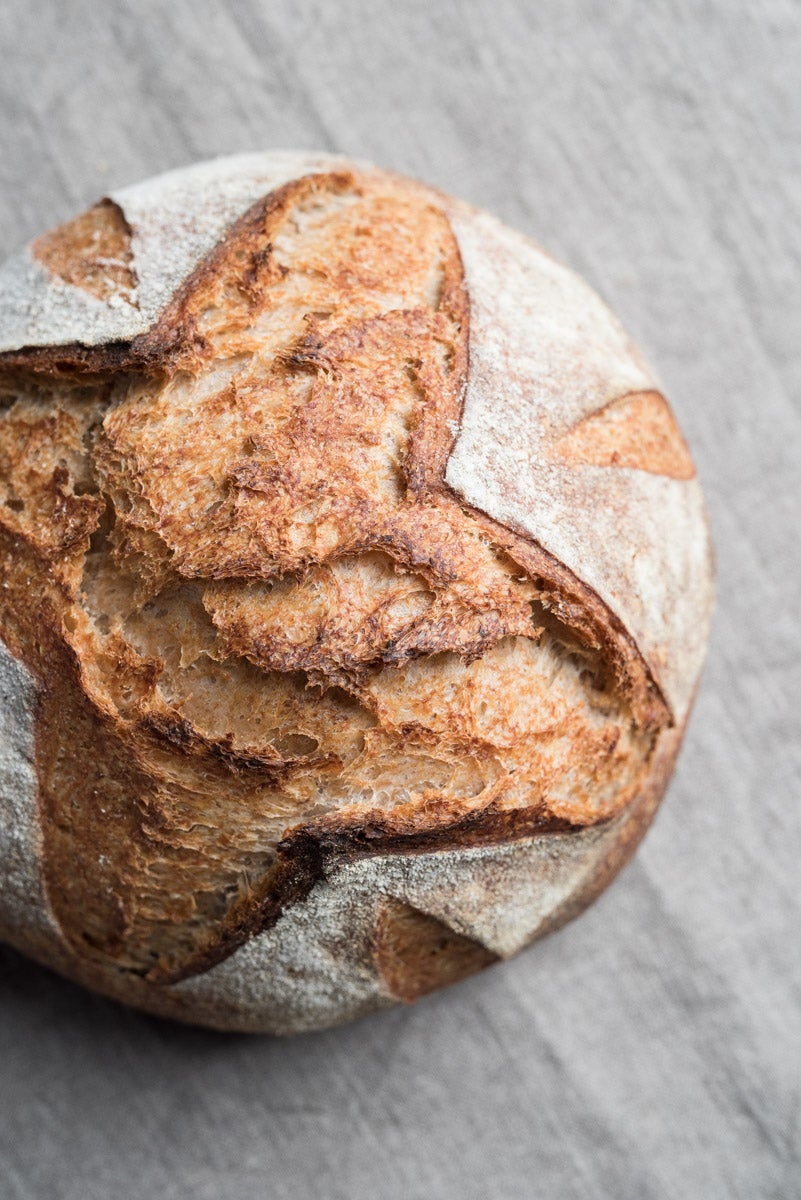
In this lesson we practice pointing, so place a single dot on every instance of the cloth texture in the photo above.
(651, 1050)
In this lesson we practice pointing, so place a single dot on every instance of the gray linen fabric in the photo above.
(653, 1049)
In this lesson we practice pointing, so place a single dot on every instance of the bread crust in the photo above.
(568, 369)
(25, 917)
(361, 906)
(322, 961)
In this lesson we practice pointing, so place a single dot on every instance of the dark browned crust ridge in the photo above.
(311, 851)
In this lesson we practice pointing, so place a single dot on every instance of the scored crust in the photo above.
(284, 554)
(583, 432)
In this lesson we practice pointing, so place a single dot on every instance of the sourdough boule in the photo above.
(355, 589)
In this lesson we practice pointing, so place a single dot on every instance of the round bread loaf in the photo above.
(355, 589)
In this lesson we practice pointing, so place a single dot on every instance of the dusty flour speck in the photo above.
(25, 911)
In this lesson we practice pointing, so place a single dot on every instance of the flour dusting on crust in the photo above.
(175, 219)
(361, 685)
(315, 967)
(25, 917)
(545, 353)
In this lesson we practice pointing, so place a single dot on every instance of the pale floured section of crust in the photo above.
(500, 896)
(25, 918)
(315, 967)
(311, 970)
(545, 353)
(175, 219)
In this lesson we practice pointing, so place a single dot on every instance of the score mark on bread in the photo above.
(93, 252)
(276, 619)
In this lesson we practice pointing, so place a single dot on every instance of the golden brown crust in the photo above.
(637, 430)
(310, 853)
(253, 605)
(228, 1011)
(93, 252)
(631, 525)
(416, 954)
(636, 821)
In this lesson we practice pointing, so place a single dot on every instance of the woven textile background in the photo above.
(652, 1050)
